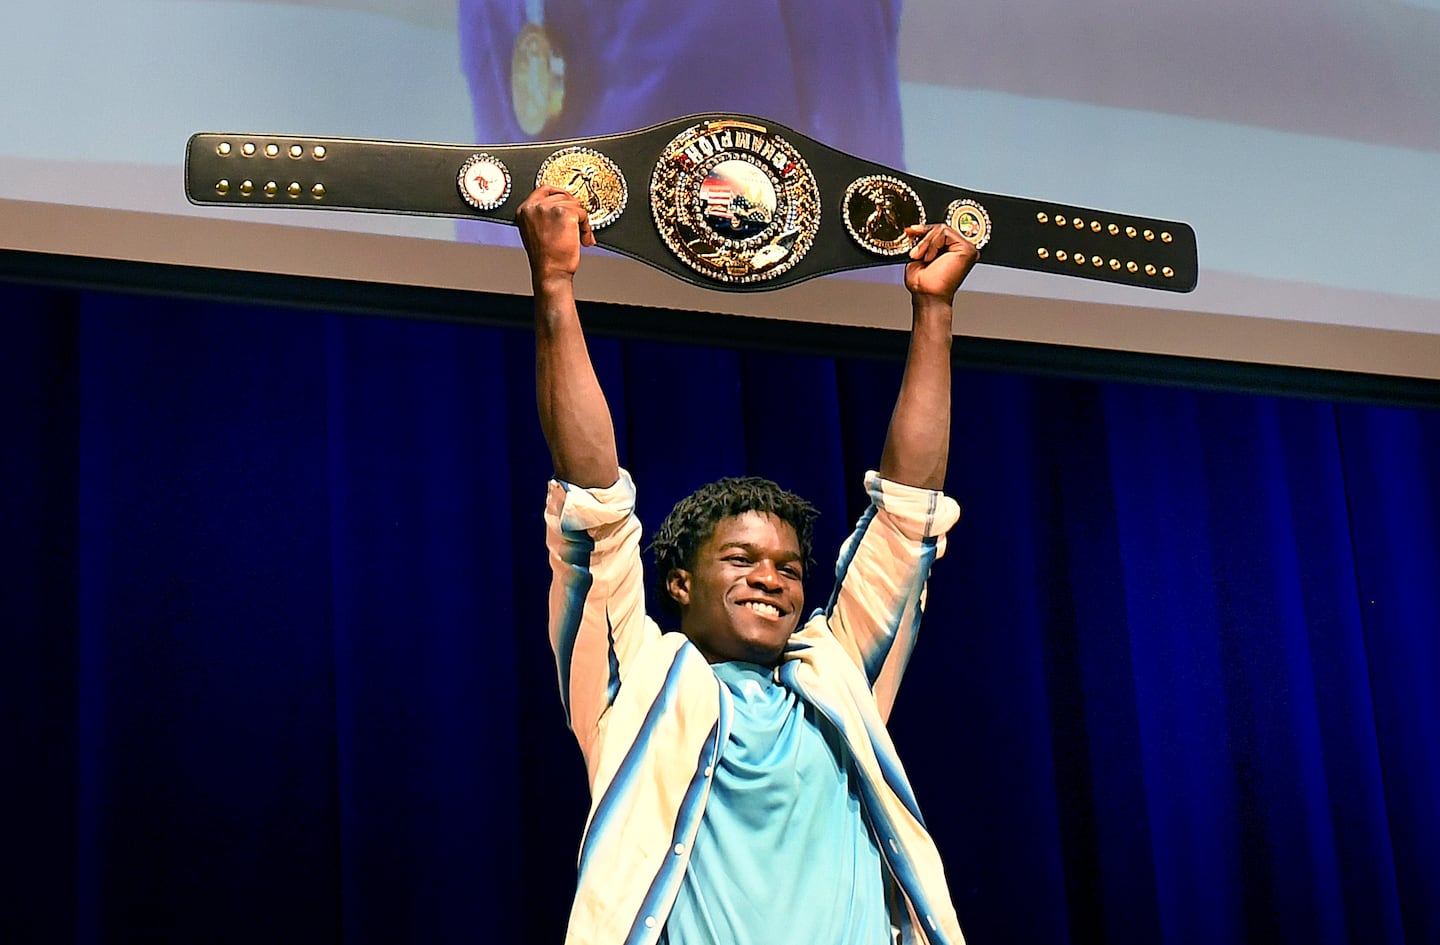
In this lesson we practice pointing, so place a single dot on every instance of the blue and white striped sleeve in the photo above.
(597, 596)
(880, 579)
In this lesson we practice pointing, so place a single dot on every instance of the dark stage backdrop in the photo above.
(275, 670)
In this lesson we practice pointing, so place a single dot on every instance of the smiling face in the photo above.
(742, 595)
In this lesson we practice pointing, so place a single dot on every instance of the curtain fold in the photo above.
(275, 662)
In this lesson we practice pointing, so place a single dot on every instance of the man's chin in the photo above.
(767, 649)
(753, 640)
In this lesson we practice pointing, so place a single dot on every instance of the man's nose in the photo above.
(765, 575)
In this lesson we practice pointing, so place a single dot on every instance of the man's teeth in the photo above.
(760, 607)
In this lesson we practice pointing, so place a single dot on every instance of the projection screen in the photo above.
(1300, 141)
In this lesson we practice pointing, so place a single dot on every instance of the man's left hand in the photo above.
(938, 263)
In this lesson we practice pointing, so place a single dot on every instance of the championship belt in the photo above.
(735, 202)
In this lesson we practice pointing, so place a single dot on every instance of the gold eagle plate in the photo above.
(592, 178)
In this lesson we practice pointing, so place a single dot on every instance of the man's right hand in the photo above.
(553, 227)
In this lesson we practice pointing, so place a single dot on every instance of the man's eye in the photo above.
(791, 573)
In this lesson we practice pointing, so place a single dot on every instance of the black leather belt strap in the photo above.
(722, 201)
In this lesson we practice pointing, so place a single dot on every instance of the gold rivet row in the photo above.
(1100, 262)
(1096, 226)
(270, 188)
(270, 150)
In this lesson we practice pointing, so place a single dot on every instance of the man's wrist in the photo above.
(932, 306)
(553, 282)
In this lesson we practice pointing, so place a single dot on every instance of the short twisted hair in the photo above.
(692, 521)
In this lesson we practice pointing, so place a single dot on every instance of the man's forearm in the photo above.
(573, 412)
(917, 447)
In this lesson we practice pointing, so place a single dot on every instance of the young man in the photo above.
(743, 786)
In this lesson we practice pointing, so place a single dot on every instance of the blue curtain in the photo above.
(274, 658)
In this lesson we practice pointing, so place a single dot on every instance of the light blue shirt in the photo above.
(783, 854)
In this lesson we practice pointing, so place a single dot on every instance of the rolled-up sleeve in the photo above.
(880, 579)
(597, 595)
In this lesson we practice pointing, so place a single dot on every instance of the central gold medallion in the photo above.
(735, 202)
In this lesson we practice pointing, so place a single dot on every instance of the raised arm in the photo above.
(573, 412)
(597, 620)
(880, 583)
(917, 446)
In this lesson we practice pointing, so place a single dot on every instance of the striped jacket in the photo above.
(652, 718)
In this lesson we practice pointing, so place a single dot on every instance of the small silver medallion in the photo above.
(484, 181)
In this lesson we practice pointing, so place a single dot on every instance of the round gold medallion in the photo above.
(537, 79)
(735, 202)
(593, 179)
(970, 220)
(877, 210)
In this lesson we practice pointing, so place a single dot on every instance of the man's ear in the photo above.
(677, 582)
